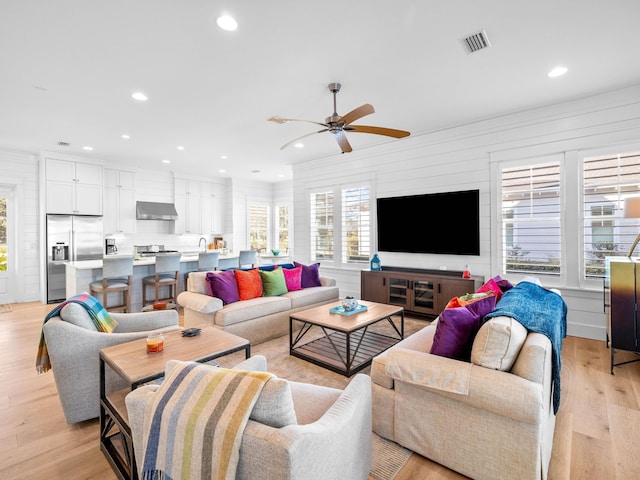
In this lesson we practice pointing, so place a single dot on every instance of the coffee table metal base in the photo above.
(344, 352)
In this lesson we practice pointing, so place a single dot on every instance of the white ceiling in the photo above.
(68, 69)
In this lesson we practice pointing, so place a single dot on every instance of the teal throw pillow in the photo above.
(273, 282)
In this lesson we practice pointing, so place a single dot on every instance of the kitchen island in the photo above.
(79, 275)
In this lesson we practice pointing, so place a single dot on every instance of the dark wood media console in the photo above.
(421, 291)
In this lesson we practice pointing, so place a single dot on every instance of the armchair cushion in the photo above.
(498, 343)
(274, 406)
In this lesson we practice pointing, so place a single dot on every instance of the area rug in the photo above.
(6, 308)
(388, 458)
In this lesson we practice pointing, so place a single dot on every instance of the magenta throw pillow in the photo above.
(310, 275)
(457, 327)
(223, 286)
(293, 278)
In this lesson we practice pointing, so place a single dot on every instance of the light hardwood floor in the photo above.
(597, 429)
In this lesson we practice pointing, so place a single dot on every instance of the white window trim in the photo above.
(337, 217)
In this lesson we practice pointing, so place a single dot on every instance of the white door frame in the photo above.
(8, 279)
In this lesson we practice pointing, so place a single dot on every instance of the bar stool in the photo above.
(207, 262)
(117, 274)
(247, 257)
(166, 275)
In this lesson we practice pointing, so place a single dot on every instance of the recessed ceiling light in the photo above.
(139, 96)
(125, 136)
(222, 170)
(227, 22)
(223, 157)
(180, 147)
(299, 145)
(557, 72)
(166, 161)
(87, 147)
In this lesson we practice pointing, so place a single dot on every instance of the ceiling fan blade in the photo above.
(285, 120)
(343, 142)
(389, 132)
(303, 136)
(357, 113)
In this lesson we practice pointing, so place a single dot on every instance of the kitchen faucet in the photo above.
(202, 239)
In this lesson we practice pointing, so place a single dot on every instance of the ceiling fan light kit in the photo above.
(338, 125)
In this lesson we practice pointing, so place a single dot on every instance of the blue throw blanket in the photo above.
(541, 311)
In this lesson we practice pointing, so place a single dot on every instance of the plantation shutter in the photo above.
(531, 219)
(258, 227)
(356, 228)
(322, 226)
(607, 181)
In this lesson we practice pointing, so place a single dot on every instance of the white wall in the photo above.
(460, 158)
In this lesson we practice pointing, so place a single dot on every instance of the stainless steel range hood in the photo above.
(156, 211)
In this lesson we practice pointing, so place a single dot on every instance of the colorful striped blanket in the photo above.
(103, 320)
(193, 426)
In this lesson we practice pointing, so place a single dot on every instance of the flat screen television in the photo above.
(439, 223)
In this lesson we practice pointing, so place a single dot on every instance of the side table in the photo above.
(132, 362)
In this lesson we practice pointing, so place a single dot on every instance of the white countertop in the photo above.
(142, 261)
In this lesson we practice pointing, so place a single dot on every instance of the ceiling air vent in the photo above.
(476, 41)
(63, 144)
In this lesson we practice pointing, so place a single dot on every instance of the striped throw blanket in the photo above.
(193, 426)
(103, 320)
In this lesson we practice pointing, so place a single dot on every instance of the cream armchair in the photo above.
(74, 345)
(296, 431)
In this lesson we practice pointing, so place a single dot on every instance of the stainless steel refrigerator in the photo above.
(70, 238)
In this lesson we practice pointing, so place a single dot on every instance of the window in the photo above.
(282, 232)
(341, 224)
(560, 225)
(607, 181)
(356, 225)
(258, 227)
(531, 219)
(322, 226)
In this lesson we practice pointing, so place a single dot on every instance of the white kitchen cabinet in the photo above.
(212, 208)
(73, 187)
(119, 201)
(188, 202)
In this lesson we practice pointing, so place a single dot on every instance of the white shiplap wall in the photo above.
(459, 158)
(20, 171)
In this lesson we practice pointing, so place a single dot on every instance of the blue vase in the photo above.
(375, 262)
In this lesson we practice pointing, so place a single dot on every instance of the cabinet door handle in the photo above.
(439, 288)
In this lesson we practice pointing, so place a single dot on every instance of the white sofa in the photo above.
(486, 423)
(257, 320)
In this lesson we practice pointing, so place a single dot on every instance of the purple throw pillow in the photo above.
(457, 327)
(310, 275)
(223, 285)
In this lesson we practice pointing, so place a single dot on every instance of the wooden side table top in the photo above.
(131, 360)
(321, 316)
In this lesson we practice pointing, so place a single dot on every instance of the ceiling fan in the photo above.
(338, 125)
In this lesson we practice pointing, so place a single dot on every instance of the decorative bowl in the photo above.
(349, 304)
(275, 252)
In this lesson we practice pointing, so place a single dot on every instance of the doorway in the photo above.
(7, 248)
